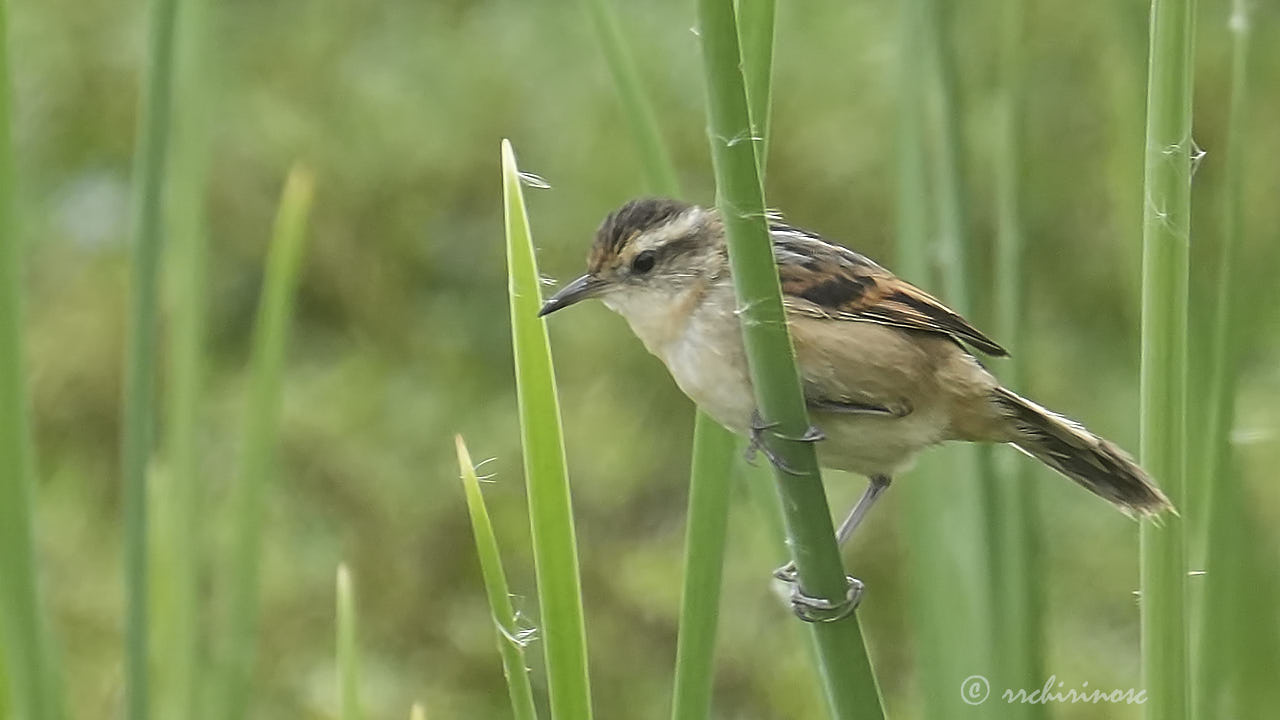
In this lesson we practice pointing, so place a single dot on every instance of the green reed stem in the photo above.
(261, 430)
(705, 541)
(949, 503)
(755, 35)
(511, 644)
(139, 396)
(1165, 243)
(846, 671)
(659, 172)
(32, 682)
(179, 535)
(555, 552)
(1017, 602)
(713, 446)
(1239, 633)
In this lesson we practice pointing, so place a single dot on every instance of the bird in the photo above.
(887, 370)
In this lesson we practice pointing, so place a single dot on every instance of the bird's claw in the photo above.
(815, 609)
(758, 429)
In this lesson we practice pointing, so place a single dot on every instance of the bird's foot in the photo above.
(816, 609)
(758, 429)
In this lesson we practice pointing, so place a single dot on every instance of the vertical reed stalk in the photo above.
(949, 505)
(177, 542)
(261, 429)
(1165, 239)
(1017, 601)
(705, 539)
(26, 658)
(846, 671)
(755, 31)
(713, 446)
(555, 551)
(1239, 633)
(638, 111)
(139, 388)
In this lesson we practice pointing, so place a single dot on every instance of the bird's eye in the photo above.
(643, 262)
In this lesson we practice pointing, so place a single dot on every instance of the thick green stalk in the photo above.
(846, 671)
(1224, 347)
(951, 202)
(177, 542)
(139, 388)
(755, 31)
(912, 223)
(1017, 601)
(713, 446)
(510, 643)
(1239, 633)
(32, 678)
(949, 505)
(555, 551)
(703, 571)
(659, 172)
(348, 651)
(1165, 244)
(261, 429)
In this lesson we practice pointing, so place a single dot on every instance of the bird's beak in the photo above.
(585, 287)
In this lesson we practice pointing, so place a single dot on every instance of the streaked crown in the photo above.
(622, 226)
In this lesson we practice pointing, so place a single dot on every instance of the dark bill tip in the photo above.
(581, 289)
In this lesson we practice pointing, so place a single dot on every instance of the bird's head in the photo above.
(648, 253)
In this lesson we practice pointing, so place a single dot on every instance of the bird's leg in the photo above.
(758, 428)
(805, 605)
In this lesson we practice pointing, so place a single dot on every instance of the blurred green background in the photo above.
(401, 336)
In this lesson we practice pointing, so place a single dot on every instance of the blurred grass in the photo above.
(150, 166)
(242, 578)
(30, 687)
(1018, 596)
(348, 649)
(659, 173)
(511, 643)
(1238, 631)
(179, 496)
(948, 501)
(400, 333)
(1166, 231)
(555, 552)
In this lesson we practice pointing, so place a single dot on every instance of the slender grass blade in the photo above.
(29, 679)
(511, 638)
(261, 429)
(1166, 232)
(139, 412)
(348, 650)
(180, 530)
(555, 551)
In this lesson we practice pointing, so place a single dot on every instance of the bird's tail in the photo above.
(1064, 445)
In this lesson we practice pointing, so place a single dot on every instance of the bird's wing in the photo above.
(827, 281)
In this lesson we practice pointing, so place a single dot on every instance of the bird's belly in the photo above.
(709, 365)
(876, 445)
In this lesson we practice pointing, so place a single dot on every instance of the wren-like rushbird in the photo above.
(885, 367)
